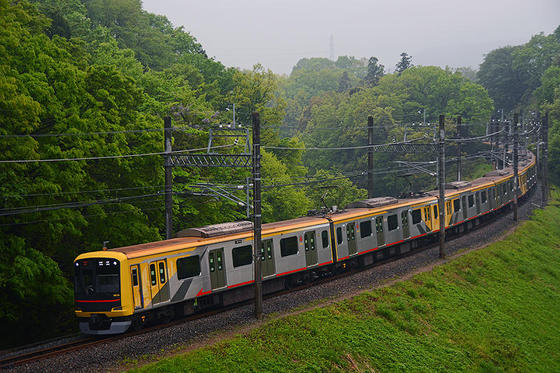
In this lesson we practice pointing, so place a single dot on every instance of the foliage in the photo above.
(333, 190)
(339, 120)
(548, 95)
(291, 202)
(454, 317)
(404, 63)
(374, 72)
(511, 74)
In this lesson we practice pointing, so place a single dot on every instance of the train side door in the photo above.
(435, 219)
(136, 286)
(404, 223)
(351, 236)
(428, 217)
(217, 270)
(159, 286)
(310, 245)
(464, 206)
(267, 258)
(477, 201)
(379, 230)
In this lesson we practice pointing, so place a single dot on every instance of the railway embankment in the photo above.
(490, 309)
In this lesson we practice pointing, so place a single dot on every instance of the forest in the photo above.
(85, 84)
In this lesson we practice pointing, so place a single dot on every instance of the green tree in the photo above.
(344, 83)
(374, 72)
(404, 63)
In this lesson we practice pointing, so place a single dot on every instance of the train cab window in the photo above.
(456, 204)
(242, 255)
(416, 216)
(483, 196)
(289, 246)
(471, 200)
(392, 222)
(339, 235)
(188, 267)
(325, 238)
(153, 277)
(365, 228)
(162, 273)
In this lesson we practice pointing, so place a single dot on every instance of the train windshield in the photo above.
(97, 278)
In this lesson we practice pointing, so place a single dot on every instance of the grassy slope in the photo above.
(491, 310)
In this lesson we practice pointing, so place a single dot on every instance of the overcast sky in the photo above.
(277, 33)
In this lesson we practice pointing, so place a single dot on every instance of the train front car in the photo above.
(102, 303)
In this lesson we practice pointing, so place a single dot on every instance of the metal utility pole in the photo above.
(257, 244)
(515, 164)
(370, 156)
(168, 179)
(441, 186)
(492, 127)
(504, 143)
(545, 157)
(460, 136)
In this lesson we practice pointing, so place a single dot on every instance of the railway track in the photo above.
(12, 360)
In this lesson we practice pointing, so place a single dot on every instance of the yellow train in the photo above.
(212, 265)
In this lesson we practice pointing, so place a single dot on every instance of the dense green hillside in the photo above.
(494, 309)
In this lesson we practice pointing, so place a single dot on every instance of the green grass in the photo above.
(492, 310)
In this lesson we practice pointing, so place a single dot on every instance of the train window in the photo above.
(456, 204)
(379, 224)
(242, 255)
(325, 238)
(471, 200)
(134, 277)
(188, 267)
(416, 216)
(309, 241)
(435, 211)
(162, 273)
(266, 246)
(153, 274)
(392, 222)
(339, 235)
(289, 246)
(365, 228)
(404, 218)
(483, 196)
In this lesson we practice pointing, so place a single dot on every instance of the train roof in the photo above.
(241, 231)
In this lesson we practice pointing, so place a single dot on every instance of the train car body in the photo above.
(210, 266)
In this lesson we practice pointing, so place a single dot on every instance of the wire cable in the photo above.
(110, 156)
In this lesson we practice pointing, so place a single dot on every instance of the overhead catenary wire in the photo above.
(356, 147)
(110, 156)
(70, 134)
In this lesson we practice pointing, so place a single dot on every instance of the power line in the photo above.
(81, 192)
(84, 216)
(109, 156)
(38, 135)
(339, 148)
(27, 210)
